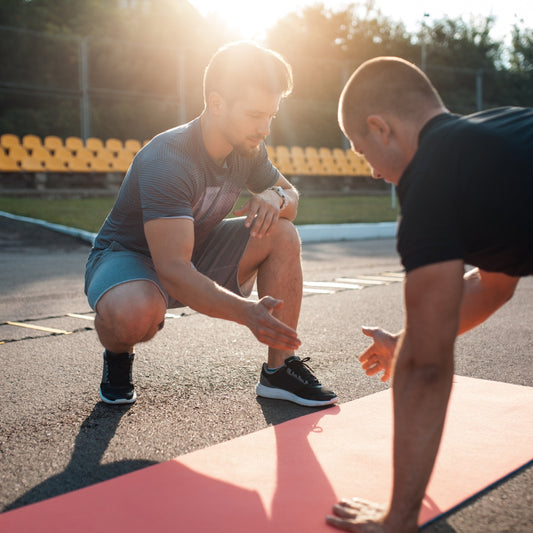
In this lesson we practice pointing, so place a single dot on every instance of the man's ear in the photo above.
(215, 103)
(378, 125)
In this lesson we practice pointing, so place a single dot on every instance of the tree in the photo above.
(517, 84)
(460, 55)
(323, 47)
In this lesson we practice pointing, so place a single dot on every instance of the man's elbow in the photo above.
(509, 292)
(501, 286)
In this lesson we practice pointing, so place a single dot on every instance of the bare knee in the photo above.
(130, 313)
(286, 237)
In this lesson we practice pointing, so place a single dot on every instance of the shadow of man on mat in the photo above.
(302, 482)
(85, 466)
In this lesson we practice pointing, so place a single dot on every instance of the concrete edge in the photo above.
(73, 232)
(308, 232)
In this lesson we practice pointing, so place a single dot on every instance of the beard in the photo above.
(247, 151)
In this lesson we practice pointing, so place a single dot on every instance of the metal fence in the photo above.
(68, 85)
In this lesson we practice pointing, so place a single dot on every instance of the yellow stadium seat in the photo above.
(78, 165)
(8, 164)
(125, 155)
(133, 145)
(54, 164)
(94, 144)
(100, 165)
(338, 153)
(331, 168)
(282, 152)
(63, 154)
(316, 167)
(74, 143)
(359, 164)
(297, 151)
(31, 141)
(85, 154)
(7, 140)
(285, 166)
(52, 142)
(324, 152)
(104, 155)
(119, 165)
(114, 145)
(31, 164)
(302, 167)
(311, 152)
(18, 153)
(41, 153)
(345, 167)
(366, 168)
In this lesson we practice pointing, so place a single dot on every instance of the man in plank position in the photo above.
(465, 185)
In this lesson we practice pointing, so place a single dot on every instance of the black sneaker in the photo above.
(294, 382)
(117, 384)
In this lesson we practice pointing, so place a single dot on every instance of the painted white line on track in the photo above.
(39, 328)
(360, 281)
(83, 317)
(332, 285)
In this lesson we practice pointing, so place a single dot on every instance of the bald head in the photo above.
(387, 85)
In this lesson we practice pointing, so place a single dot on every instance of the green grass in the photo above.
(89, 213)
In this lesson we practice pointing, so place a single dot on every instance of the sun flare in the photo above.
(250, 20)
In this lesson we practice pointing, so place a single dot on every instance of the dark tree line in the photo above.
(145, 61)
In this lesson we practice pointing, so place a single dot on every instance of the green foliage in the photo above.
(522, 52)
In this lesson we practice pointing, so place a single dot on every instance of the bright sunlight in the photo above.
(252, 20)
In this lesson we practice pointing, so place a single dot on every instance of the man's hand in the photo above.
(379, 356)
(262, 213)
(268, 329)
(358, 516)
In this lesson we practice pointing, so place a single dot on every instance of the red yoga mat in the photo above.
(286, 478)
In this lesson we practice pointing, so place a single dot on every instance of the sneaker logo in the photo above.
(297, 376)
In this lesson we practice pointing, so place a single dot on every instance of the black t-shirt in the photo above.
(468, 193)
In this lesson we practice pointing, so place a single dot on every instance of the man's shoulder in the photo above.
(177, 141)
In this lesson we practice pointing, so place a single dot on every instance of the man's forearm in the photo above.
(203, 295)
(421, 396)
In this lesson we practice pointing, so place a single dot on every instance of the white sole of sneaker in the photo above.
(117, 402)
(280, 394)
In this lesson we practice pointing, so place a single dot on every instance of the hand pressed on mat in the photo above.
(359, 516)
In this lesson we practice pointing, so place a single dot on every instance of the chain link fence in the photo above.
(67, 85)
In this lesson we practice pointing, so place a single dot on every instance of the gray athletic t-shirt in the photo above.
(173, 176)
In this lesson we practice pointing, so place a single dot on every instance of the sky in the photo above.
(253, 18)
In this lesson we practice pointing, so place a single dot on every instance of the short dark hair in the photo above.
(385, 84)
(242, 64)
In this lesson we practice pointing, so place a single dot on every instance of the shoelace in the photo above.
(119, 371)
(304, 370)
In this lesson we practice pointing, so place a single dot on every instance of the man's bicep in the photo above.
(433, 295)
(170, 240)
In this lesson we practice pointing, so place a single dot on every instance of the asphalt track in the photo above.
(195, 380)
